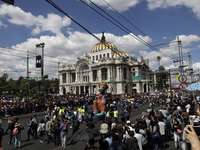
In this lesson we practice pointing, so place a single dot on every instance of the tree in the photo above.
(159, 58)
(162, 77)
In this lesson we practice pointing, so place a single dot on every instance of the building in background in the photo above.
(122, 72)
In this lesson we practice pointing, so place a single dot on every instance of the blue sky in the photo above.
(27, 23)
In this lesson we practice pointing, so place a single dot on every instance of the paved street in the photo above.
(35, 144)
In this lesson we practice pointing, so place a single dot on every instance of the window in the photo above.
(125, 73)
(94, 75)
(93, 58)
(133, 74)
(108, 55)
(100, 56)
(96, 57)
(104, 55)
(104, 74)
(134, 85)
(64, 77)
(133, 69)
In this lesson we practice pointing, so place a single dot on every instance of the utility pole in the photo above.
(27, 79)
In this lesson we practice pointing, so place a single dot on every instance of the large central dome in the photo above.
(103, 45)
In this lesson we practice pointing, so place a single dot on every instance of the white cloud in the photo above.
(164, 37)
(171, 50)
(64, 49)
(193, 4)
(2, 25)
(17, 16)
(196, 66)
(119, 5)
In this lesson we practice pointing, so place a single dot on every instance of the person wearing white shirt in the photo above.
(139, 137)
(187, 107)
(162, 131)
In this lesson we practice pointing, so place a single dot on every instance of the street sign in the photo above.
(183, 86)
(182, 78)
(137, 78)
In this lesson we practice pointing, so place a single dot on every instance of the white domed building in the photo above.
(106, 64)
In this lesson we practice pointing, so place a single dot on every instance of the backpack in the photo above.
(39, 128)
(15, 131)
(64, 126)
(132, 143)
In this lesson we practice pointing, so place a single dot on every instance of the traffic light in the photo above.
(27, 91)
(9, 1)
(27, 86)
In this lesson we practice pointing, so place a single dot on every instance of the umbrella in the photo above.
(4, 101)
(193, 87)
(85, 134)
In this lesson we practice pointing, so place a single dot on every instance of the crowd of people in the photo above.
(177, 119)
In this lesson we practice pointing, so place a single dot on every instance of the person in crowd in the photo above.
(90, 124)
(56, 132)
(131, 142)
(64, 132)
(75, 126)
(29, 130)
(90, 145)
(17, 134)
(41, 130)
(176, 130)
(116, 145)
(35, 126)
(162, 128)
(48, 129)
(185, 141)
(138, 136)
(12, 126)
(1, 135)
(104, 129)
(10, 120)
(116, 115)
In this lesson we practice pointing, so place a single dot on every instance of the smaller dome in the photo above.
(115, 55)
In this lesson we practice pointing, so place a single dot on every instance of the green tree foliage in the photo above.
(162, 78)
(18, 87)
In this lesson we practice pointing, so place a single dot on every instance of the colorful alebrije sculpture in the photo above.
(100, 104)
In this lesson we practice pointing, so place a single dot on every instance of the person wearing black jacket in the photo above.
(12, 126)
(56, 132)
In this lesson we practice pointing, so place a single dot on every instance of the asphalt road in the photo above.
(34, 144)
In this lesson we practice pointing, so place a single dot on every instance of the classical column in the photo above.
(108, 73)
(99, 75)
(91, 76)
(79, 88)
(61, 79)
(76, 80)
(84, 89)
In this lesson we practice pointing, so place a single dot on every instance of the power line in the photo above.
(130, 22)
(59, 9)
(135, 36)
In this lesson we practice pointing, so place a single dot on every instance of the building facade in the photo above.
(106, 64)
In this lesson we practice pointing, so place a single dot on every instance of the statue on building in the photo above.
(100, 104)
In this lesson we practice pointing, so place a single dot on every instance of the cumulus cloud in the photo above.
(119, 5)
(52, 22)
(193, 4)
(64, 50)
